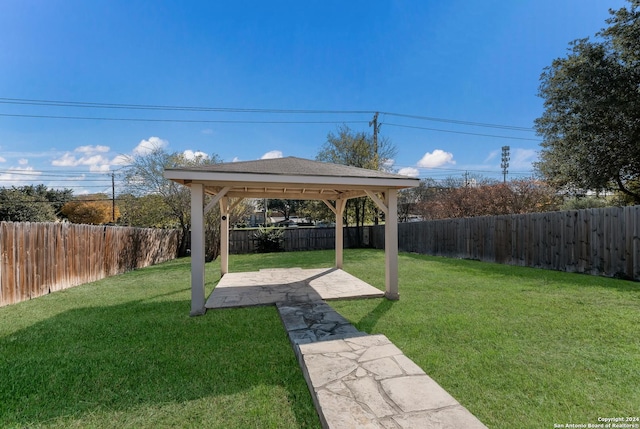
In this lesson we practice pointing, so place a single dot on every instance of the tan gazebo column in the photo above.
(338, 210)
(339, 241)
(225, 218)
(198, 211)
(391, 245)
(224, 235)
(197, 250)
(390, 208)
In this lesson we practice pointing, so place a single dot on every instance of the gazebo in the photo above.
(286, 178)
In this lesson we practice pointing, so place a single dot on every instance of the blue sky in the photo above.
(461, 61)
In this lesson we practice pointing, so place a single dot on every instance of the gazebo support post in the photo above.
(340, 205)
(197, 250)
(224, 235)
(391, 245)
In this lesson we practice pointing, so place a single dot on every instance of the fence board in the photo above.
(39, 258)
(597, 241)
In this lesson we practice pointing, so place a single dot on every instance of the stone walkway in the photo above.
(364, 381)
(356, 380)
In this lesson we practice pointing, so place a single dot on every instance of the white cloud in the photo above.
(492, 155)
(192, 156)
(92, 149)
(145, 147)
(122, 160)
(23, 161)
(437, 158)
(272, 154)
(409, 171)
(93, 160)
(387, 164)
(522, 159)
(235, 159)
(66, 160)
(16, 176)
(91, 156)
(207, 131)
(2, 159)
(100, 168)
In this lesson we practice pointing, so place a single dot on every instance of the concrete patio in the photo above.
(270, 286)
(356, 380)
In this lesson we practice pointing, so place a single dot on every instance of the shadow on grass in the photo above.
(369, 321)
(143, 353)
(489, 269)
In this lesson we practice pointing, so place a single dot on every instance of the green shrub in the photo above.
(269, 240)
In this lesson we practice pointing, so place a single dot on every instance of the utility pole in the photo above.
(376, 129)
(505, 162)
(113, 197)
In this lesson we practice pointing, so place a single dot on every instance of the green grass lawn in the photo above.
(518, 347)
(123, 352)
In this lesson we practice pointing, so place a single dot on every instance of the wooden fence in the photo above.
(295, 239)
(596, 241)
(39, 258)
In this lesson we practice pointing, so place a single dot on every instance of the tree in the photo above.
(56, 197)
(21, 205)
(316, 211)
(484, 197)
(590, 126)
(147, 211)
(144, 176)
(286, 207)
(94, 209)
(144, 180)
(357, 149)
(418, 201)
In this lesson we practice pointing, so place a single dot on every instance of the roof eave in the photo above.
(207, 177)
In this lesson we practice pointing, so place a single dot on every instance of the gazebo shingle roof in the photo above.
(292, 166)
(289, 178)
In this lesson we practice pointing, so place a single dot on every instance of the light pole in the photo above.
(505, 162)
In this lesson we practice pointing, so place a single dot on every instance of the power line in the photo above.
(56, 172)
(123, 106)
(56, 103)
(194, 121)
(224, 121)
(78, 185)
(74, 200)
(51, 177)
(463, 132)
(458, 122)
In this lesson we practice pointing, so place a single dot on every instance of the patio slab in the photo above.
(270, 286)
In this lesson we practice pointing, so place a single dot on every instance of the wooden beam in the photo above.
(333, 209)
(235, 204)
(308, 195)
(351, 194)
(215, 199)
(381, 205)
